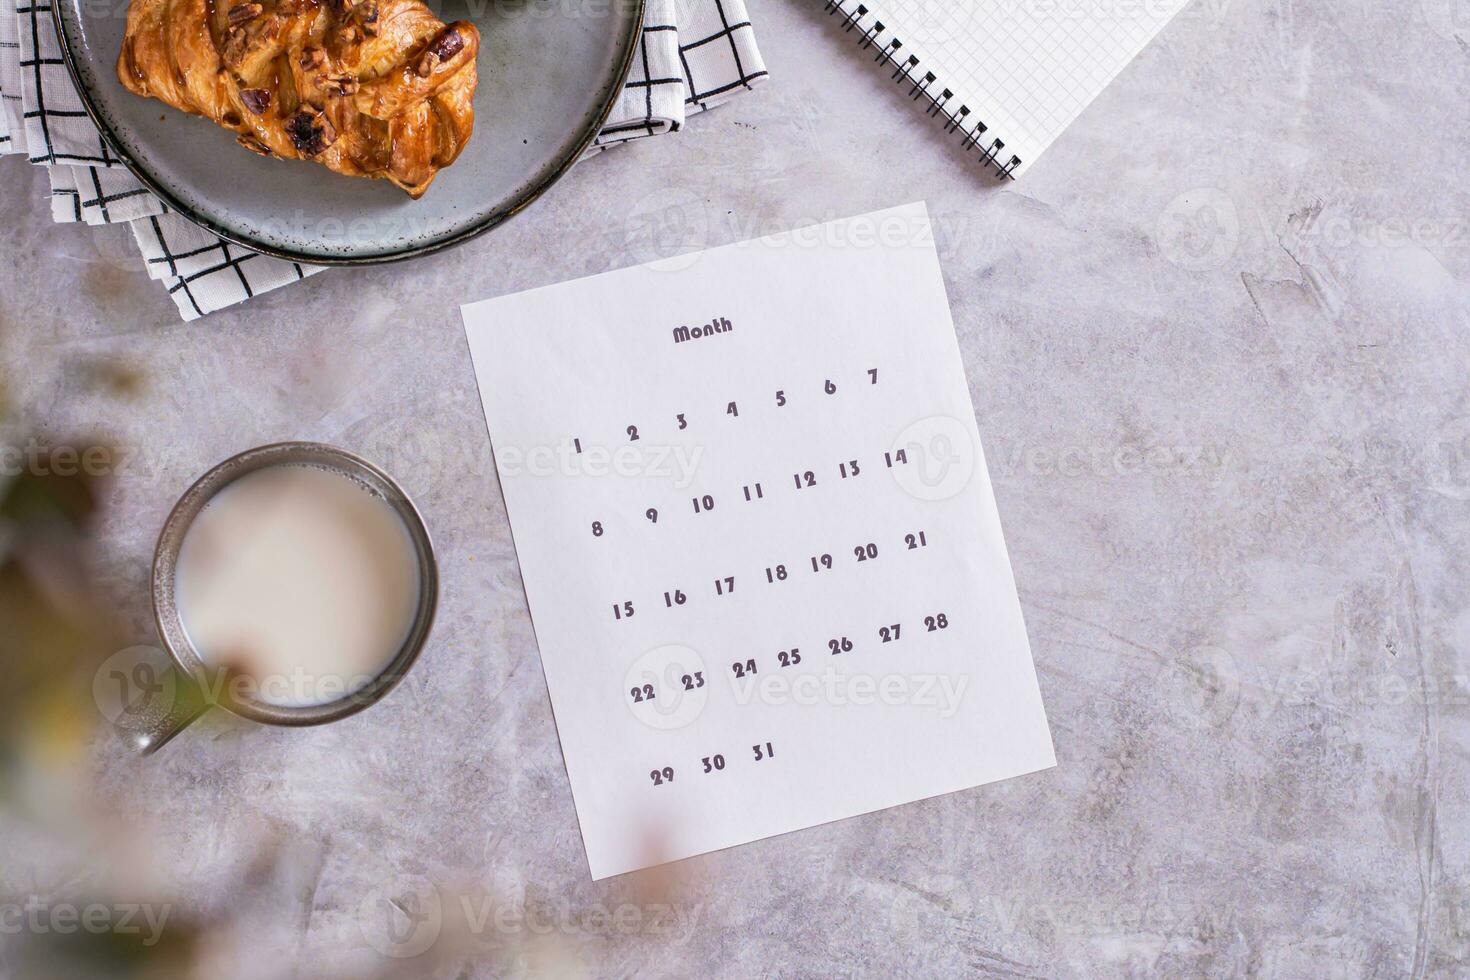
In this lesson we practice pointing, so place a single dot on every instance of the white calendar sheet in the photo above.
(758, 539)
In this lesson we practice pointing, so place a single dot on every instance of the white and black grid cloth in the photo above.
(694, 54)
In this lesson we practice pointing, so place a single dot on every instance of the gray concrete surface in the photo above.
(1218, 341)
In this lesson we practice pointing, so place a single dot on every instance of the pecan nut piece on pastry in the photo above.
(367, 88)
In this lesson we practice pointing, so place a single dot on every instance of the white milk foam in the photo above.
(300, 579)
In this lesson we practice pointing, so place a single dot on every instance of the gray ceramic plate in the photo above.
(550, 71)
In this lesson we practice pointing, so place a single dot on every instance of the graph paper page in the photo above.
(1026, 68)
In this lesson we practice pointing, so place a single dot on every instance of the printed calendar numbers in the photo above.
(806, 479)
(750, 560)
(713, 764)
(775, 573)
(802, 480)
(731, 408)
(787, 657)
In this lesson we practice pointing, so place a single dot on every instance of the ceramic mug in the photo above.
(173, 702)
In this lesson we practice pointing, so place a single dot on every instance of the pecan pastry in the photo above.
(367, 88)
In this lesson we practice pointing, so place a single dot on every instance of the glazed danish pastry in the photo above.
(367, 88)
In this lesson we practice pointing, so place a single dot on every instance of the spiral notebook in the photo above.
(1006, 76)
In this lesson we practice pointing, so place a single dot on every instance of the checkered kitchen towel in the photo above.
(694, 54)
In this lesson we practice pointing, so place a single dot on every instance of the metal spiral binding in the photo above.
(907, 70)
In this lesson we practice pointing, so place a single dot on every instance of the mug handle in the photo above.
(160, 718)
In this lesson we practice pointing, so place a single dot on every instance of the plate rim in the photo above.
(491, 221)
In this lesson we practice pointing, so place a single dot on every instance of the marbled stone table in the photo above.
(1218, 340)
